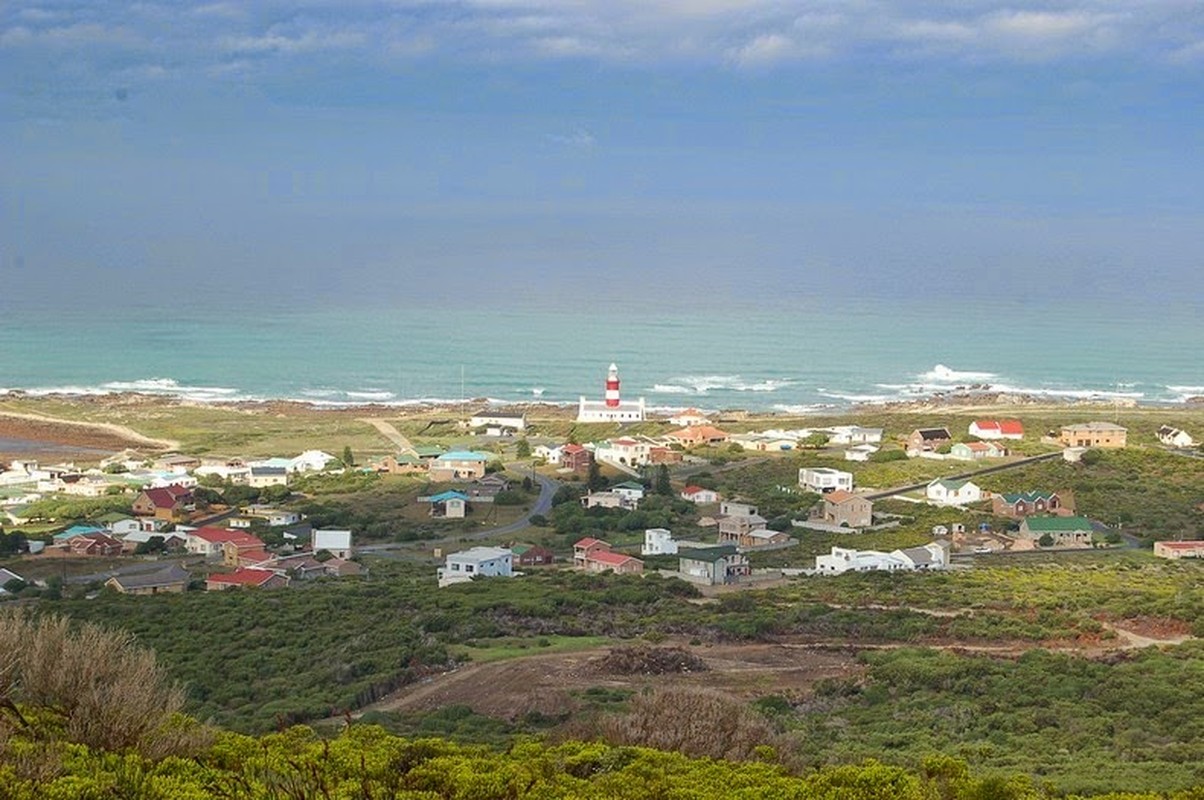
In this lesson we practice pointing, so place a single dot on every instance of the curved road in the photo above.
(542, 505)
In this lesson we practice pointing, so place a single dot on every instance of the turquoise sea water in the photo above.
(755, 354)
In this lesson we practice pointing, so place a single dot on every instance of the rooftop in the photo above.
(464, 455)
(1095, 426)
(709, 554)
(1056, 524)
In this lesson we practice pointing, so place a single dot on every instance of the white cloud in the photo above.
(764, 49)
(737, 33)
(578, 138)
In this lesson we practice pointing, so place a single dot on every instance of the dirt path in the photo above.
(1136, 641)
(555, 683)
(73, 430)
(391, 433)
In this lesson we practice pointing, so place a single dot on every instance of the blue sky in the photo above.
(545, 150)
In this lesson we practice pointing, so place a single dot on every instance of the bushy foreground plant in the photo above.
(89, 686)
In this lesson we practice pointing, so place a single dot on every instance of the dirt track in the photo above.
(98, 435)
(549, 683)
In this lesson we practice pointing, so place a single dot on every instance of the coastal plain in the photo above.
(1069, 670)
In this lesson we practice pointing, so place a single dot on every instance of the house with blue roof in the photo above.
(448, 505)
(77, 530)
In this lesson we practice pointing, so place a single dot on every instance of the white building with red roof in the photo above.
(697, 494)
(691, 416)
(997, 429)
(210, 541)
(1188, 549)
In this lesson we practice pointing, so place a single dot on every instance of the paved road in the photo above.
(964, 475)
(392, 434)
(543, 504)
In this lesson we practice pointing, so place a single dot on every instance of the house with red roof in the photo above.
(166, 503)
(210, 541)
(1187, 549)
(614, 562)
(997, 429)
(594, 555)
(976, 451)
(689, 417)
(697, 435)
(94, 544)
(697, 494)
(576, 458)
(247, 577)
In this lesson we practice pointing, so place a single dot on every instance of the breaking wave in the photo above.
(702, 384)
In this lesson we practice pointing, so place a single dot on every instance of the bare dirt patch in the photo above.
(552, 684)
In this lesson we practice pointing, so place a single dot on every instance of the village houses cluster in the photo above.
(167, 518)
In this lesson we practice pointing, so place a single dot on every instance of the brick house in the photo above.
(1094, 434)
(94, 544)
(928, 440)
(576, 458)
(594, 555)
(848, 509)
(531, 555)
(1023, 504)
(167, 503)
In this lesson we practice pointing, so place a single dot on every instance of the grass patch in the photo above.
(504, 649)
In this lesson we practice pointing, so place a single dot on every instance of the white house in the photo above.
(629, 490)
(842, 559)
(517, 422)
(825, 479)
(944, 492)
(853, 434)
(263, 477)
(845, 559)
(550, 455)
(337, 543)
(997, 429)
(608, 500)
(490, 562)
(697, 494)
(630, 451)
(1175, 437)
(691, 416)
(658, 542)
(237, 473)
(310, 461)
(860, 452)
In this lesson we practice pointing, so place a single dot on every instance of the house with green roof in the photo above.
(713, 566)
(1022, 504)
(1062, 531)
(946, 492)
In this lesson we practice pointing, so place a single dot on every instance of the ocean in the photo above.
(797, 356)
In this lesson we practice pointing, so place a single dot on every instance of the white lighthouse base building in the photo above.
(612, 408)
(598, 411)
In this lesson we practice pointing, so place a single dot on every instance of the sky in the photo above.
(414, 153)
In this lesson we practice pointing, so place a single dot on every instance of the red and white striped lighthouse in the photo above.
(612, 387)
